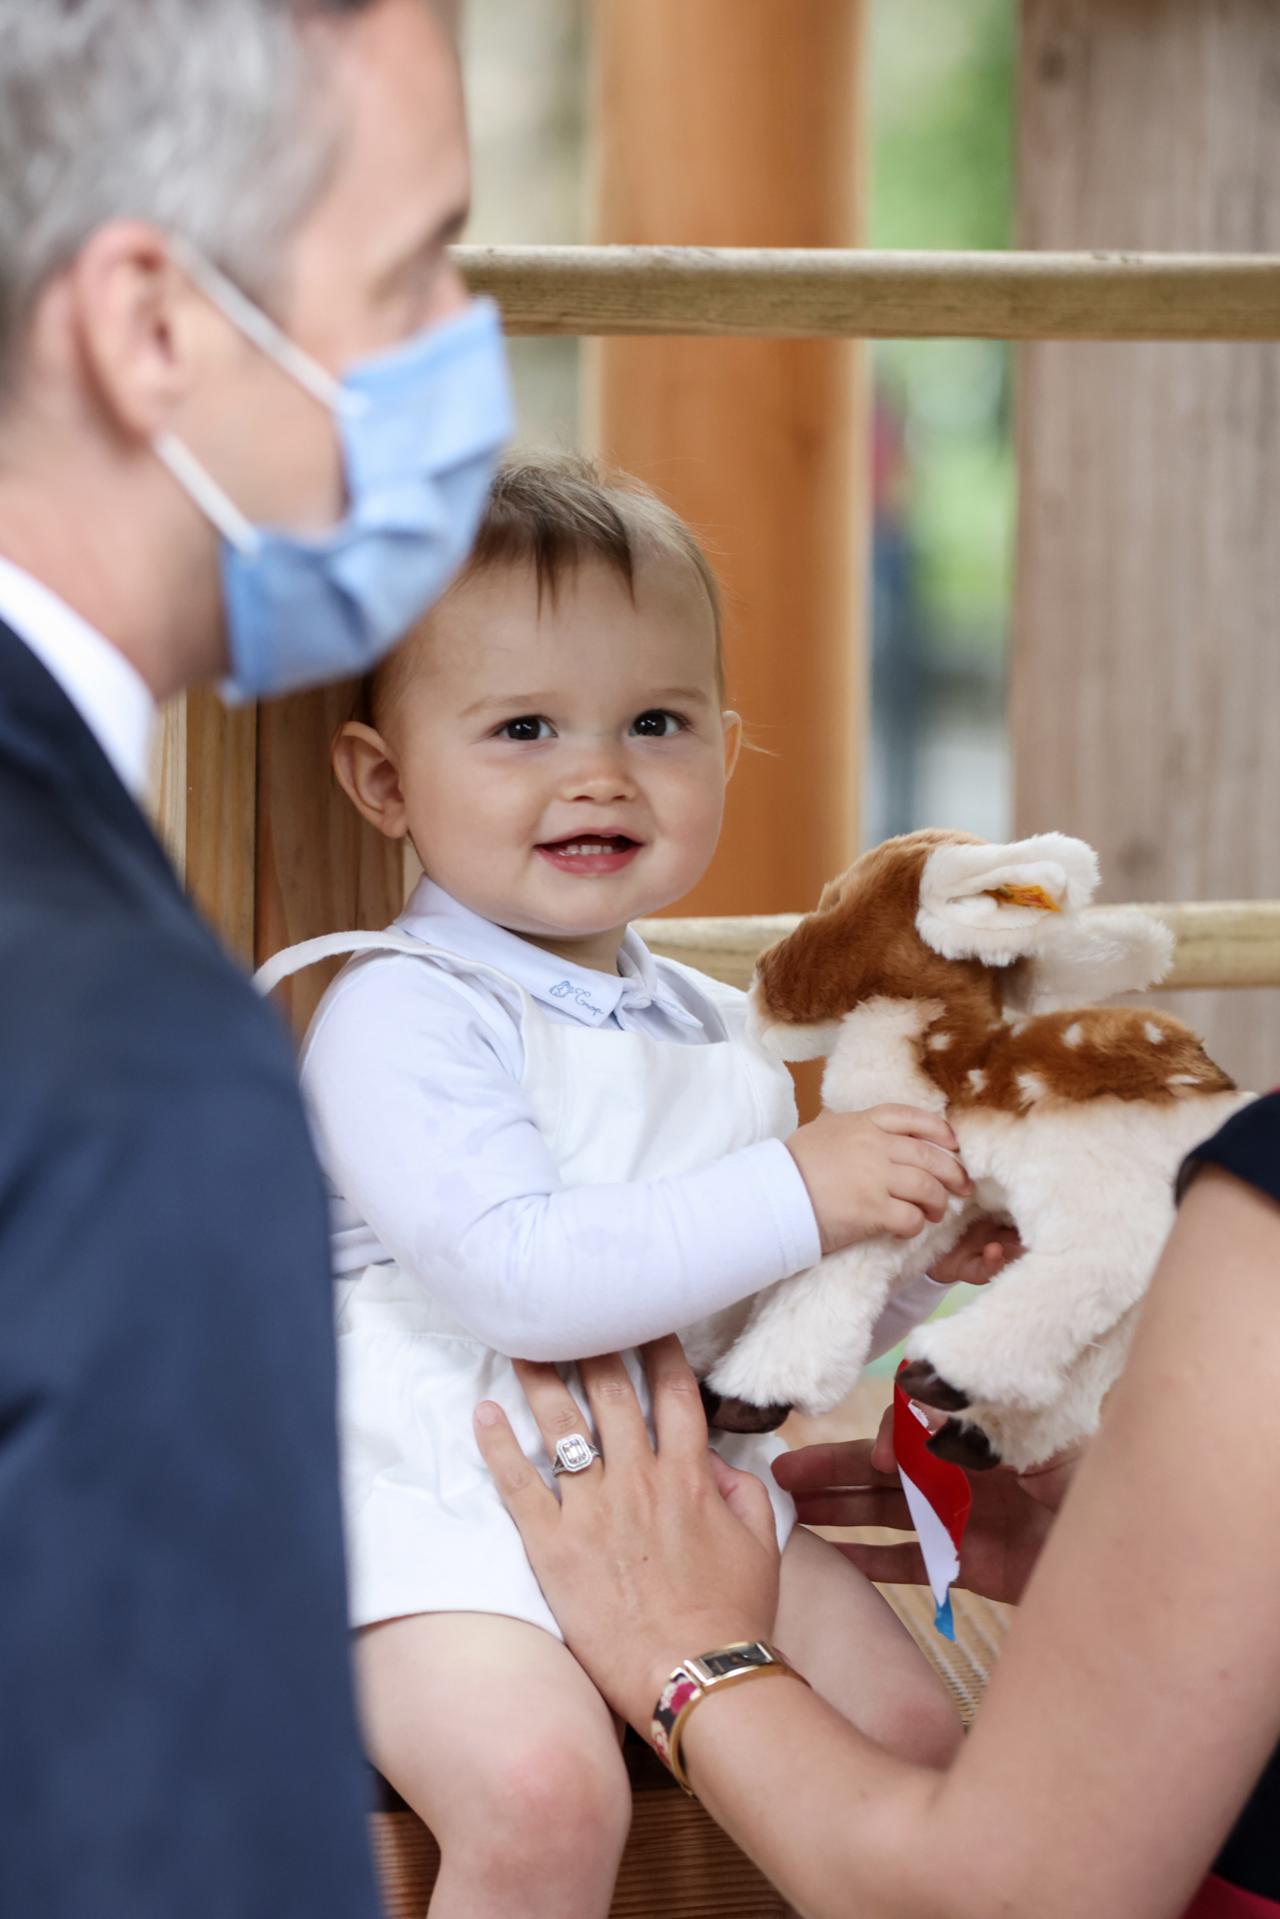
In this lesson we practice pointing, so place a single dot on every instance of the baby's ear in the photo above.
(1114, 949)
(367, 774)
(998, 904)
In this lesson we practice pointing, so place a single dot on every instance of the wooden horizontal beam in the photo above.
(1219, 942)
(794, 292)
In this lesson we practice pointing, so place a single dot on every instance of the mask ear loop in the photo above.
(203, 489)
(262, 330)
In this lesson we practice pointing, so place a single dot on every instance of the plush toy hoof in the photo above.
(965, 1446)
(919, 1381)
(738, 1415)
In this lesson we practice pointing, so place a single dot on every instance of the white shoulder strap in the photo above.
(295, 959)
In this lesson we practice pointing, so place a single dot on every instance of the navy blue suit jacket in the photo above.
(177, 1734)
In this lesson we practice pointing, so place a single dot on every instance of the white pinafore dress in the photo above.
(426, 1530)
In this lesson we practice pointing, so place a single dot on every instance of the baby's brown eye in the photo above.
(656, 724)
(528, 727)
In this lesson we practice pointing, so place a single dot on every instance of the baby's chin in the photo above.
(573, 908)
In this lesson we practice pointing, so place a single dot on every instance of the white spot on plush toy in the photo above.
(1074, 1034)
(1031, 1087)
(1153, 1033)
(938, 1042)
(977, 1080)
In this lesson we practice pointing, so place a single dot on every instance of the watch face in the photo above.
(720, 1663)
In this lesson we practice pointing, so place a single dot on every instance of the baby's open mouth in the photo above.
(589, 843)
(590, 855)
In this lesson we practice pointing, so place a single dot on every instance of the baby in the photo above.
(544, 1142)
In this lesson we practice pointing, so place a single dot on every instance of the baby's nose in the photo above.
(601, 775)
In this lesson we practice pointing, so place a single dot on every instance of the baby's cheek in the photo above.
(694, 818)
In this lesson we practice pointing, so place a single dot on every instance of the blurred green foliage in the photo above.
(941, 105)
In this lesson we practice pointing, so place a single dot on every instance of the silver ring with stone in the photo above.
(574, 1453)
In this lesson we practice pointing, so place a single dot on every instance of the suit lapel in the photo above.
(42, 732)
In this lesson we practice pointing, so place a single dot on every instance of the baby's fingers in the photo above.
(915, 1121)
(920, 1189)
(934, 1160)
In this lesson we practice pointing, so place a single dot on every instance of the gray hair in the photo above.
(204, 116)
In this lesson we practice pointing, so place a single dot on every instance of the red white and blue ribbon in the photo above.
(939, 1497)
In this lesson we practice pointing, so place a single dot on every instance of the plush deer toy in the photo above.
(948, 974)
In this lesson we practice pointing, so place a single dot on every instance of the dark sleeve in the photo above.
(1248, 1146)
(178, 1733)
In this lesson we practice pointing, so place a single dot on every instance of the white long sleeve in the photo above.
(412, 1078)
(905, 1309)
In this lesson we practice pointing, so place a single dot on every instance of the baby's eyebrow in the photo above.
(521, 702)
(685, 693)
(534, 702)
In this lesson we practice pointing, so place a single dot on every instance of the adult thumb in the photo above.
(746, 1498)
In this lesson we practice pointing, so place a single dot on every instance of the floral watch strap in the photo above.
(693, 1679)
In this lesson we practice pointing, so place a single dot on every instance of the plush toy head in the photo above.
(982, 929)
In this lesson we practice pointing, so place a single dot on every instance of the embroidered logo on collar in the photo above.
(580, 997)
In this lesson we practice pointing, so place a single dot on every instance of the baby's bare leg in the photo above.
(498, 1740)
(855, 1651)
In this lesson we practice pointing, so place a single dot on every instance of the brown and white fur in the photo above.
(924, 984)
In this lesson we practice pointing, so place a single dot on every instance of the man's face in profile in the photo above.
(369, 265)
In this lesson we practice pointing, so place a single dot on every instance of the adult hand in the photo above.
(648, 1555)
(984, 1249)
(855, 1483)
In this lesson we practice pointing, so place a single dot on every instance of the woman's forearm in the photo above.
(1139, 1691)
(786, 1776)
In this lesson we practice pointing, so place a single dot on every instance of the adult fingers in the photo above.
(619, 1421)
(552, 1404)
(746, 1498)
(887, 1565)
(833, 1466)
(883, 1457)
(893, 1118)
(874, 1506)
(525, 1493)
(678, 1417)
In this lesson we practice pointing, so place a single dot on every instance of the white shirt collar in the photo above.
(590, 997)
(108, 692)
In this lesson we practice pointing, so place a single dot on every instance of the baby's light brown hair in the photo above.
(553, 511)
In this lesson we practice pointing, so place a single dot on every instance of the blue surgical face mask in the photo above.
(421, 428)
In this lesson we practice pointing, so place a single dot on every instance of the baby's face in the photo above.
(564, 767)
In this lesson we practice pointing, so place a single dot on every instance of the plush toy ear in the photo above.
(1113, 949)
(998, 903)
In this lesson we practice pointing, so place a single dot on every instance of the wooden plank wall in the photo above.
(1146, 671)
(719, 124)
(269, 847)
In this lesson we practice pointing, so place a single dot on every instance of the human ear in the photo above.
(370, 778)
(136, 321)
(732, 723)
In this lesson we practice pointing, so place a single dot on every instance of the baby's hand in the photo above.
(887, 1170)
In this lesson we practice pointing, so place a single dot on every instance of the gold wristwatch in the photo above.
(694, 1678)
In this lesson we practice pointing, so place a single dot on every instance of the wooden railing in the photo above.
(812, 293)
(1219, 942)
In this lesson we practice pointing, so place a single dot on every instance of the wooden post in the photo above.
(320, 869)
(726, 123)
(1146, 670)
(205, 801)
